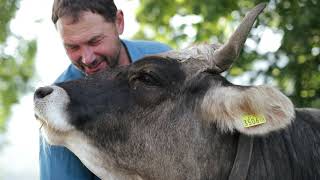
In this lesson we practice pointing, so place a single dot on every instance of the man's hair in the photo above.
(74, 8)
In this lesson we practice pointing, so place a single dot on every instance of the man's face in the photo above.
(91, 43)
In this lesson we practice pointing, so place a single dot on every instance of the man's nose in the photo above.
(87, 56)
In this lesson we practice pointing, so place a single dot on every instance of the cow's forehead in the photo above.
(154, 61)
(170, 69)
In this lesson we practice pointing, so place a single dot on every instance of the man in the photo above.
(90, 33)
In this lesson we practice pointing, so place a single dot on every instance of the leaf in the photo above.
(298, 20)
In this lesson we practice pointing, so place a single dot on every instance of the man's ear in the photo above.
(252, 110)
(119, 22)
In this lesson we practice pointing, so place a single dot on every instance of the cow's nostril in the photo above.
(42, 92)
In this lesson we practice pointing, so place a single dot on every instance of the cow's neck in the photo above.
(289, 152)
(94, 159)
(243, 158)
(218, 154)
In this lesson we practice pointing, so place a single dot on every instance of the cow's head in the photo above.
(159, 107)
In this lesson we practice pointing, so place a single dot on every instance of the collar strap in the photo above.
(241, 163)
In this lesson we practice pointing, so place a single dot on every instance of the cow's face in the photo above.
(152, 92)
(112, 98)
(157, 109)
(152, 109)
(157, 90)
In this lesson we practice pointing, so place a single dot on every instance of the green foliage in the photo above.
(294, 67)
(16, 68)
(8, 9)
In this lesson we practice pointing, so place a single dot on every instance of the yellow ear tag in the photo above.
(252, 120)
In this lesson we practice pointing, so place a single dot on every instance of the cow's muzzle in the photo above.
(50, 107)
(42, 92)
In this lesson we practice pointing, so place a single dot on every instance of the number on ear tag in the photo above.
(252, 120)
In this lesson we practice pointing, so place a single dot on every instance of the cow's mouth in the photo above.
(38, 118)
(42, 122)
(46, 128)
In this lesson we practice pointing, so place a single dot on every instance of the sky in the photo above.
(19, 157)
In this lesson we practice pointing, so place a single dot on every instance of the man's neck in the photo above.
(124, 58)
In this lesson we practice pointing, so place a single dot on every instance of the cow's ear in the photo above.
(255, 110)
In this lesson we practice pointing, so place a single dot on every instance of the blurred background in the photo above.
(282, 50)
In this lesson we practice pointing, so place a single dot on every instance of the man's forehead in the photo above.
(88, 26)
(83, 16)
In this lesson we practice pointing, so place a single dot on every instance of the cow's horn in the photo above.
(226, 54)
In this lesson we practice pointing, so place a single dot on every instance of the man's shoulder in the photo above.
(147, 46)
(140, 48)
(71, 73)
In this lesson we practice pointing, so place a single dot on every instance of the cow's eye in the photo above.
(146, 78)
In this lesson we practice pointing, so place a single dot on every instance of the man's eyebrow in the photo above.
(69, 45)
(94, 38)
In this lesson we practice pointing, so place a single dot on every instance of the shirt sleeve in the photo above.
(71, 73)
(57, 162)
(140, 48)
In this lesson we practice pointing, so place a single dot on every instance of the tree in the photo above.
(294, 66)
(16, 68)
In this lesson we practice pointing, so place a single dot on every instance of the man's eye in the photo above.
(94, 42)
(72, 48)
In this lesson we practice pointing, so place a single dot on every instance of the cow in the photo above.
(173, 116)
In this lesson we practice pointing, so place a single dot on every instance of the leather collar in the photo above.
(241, 163)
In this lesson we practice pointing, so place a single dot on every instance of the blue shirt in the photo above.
(57, 162)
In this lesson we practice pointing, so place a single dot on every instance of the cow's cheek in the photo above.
(147, 97)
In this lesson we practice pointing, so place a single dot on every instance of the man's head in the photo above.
(90, 33)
